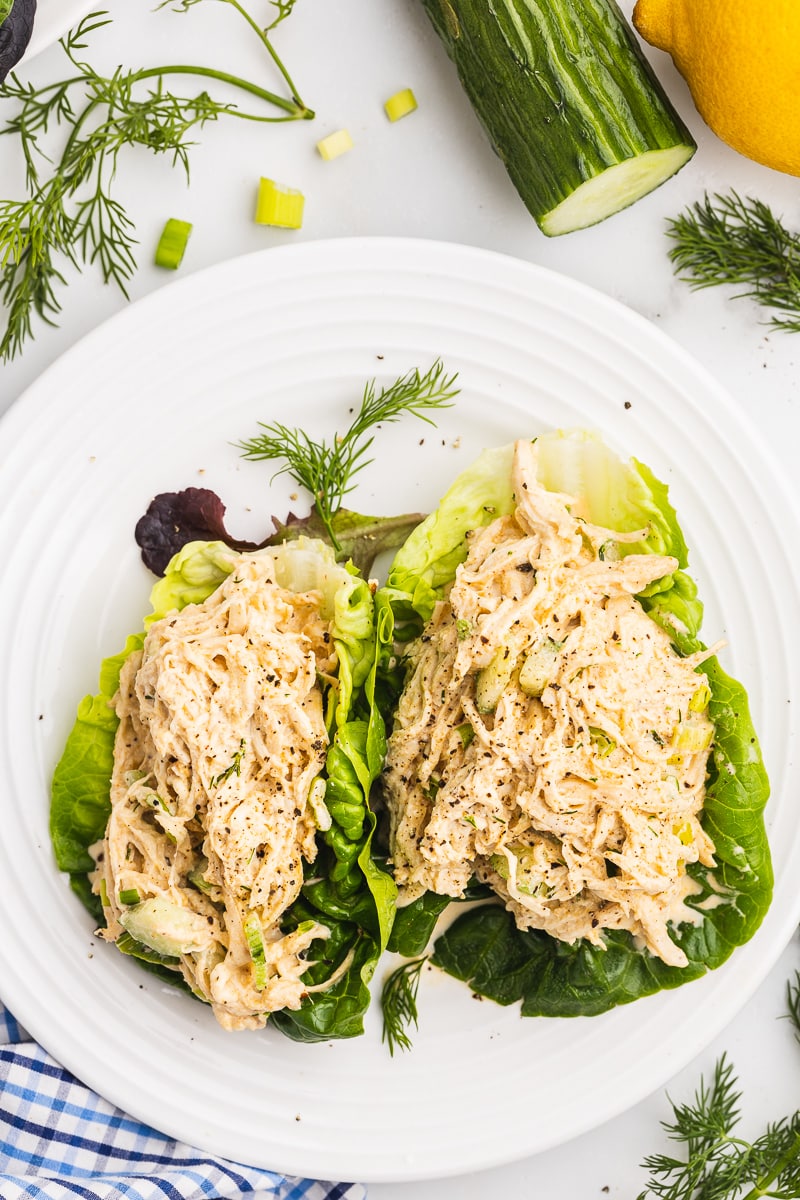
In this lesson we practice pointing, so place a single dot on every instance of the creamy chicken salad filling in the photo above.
(550, 740)
(215, 798)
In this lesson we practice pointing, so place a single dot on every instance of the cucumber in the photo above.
(493, 680)
(569, 102)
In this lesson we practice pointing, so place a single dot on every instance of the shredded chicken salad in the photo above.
(550, 740)
(213, 805)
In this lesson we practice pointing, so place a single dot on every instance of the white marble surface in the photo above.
(434, 175)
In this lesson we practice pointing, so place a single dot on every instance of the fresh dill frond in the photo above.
(716, 1163)
(70, 215)
(235, 767)
(729, 239)
(399, 1004)
(328, 469)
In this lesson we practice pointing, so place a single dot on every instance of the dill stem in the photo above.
(264, 38)
(293, 107)
(76, 127)
(783, 1162)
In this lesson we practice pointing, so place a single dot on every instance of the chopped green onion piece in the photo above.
(129, 896)
(466, 733)
(699, 701)
(255, 944)
(499, 863)
(335, 144)
(602, 743)
(400, 104)
(172, 244)
(693, 736)
(197, 877)
(103, 892)
(683, 833)
(316, 802)
(279, 206)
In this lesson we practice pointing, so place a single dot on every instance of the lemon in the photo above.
(741, 60)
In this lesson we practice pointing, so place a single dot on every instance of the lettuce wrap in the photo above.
(484, 946)
(345, 890)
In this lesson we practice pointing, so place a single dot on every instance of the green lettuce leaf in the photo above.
(349, 893)
(80, 806)
(483, 945)
(427, 562)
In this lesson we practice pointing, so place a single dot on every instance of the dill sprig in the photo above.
(399, 1004)
(328, 469)
(70, 215)
(738, 240)
(717, 1164)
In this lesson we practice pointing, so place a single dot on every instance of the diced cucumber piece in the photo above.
(493, 680)
(165, 927)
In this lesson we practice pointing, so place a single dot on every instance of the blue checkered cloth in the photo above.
(59, 1141)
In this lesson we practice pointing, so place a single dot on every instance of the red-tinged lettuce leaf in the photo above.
(198, 515)
(174, 518)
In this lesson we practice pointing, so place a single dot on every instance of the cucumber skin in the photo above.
(538, 121)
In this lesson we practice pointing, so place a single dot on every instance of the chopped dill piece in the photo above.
(235, 767)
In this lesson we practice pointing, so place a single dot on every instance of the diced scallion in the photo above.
(400, 104)
(316, 802)
(683, 833)
(693, 735)
(499, 863)
(279, 206)
(335, 144)
(602, 743)
(255, 944)
(466, 733)
(172, 244)
(699, 701)
(129, 896)
(196, 877)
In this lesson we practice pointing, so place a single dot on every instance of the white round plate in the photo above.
(53, 19)
(152, 401)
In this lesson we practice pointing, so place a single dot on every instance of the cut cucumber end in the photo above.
(614, 189)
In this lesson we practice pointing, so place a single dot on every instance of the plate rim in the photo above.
(47, 32)
(36, 396)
